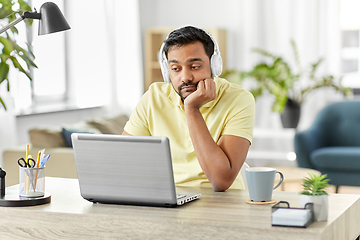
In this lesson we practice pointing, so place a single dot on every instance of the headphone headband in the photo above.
(216, 63)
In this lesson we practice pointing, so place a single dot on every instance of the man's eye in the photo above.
(175, 69)
(195, 67)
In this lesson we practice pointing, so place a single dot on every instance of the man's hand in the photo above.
(205, 92)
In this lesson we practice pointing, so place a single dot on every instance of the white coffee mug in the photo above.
(260, 182)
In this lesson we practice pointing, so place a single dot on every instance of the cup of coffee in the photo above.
(260, 182)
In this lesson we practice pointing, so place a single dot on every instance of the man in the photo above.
(208, 120)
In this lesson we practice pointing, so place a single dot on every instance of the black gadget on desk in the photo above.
(126, 170)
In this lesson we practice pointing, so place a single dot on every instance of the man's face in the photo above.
(188, 65)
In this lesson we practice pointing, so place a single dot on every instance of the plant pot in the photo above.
(321, 206)
(291, 115)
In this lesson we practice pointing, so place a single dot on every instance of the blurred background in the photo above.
(98, 68)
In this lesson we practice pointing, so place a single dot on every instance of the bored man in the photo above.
(208, 120)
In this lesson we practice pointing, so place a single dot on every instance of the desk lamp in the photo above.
(50, 16)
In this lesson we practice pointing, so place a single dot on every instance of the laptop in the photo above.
(121, 169)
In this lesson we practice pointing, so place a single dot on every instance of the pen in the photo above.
(44, 160)
(42, 154)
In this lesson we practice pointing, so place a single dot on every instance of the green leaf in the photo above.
(4, 71)
(30, 52)
(296, 54)
(314, 68)
(18, 66)
(25, 55)
(28, 60)
(6, 8)
(24, 5)
(2, 103)
(315, 184)
(8, 46)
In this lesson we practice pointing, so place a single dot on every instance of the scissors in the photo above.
(30, 164)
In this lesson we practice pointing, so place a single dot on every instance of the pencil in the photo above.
(26, 177)
(37, 166)
(27, 154)
(38, 159)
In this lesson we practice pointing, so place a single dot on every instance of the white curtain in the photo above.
(105, 64)
(270, 24)
(124, 49)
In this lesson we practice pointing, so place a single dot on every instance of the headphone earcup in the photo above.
(164, 65)
(216, 64)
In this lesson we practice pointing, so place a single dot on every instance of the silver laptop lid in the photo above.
(124, 169)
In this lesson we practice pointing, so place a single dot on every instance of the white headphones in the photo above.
(216, 63)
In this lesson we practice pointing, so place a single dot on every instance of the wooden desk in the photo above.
(216, 215)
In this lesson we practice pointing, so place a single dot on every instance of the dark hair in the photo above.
(187, 35)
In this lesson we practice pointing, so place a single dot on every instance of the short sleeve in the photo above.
(242, 118)
(138, 123)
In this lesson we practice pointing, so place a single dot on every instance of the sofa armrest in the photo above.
(306, 142)
(60, 164)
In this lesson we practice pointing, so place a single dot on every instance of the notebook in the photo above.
(122, 169)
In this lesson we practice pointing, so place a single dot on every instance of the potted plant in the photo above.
(278, 79)
(315, 192)
(12, 55)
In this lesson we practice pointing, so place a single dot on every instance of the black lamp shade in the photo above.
(52, 20)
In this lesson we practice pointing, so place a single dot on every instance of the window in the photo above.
(49, 81)
(97, 63)
(350, 49)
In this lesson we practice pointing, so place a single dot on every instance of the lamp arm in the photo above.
(31, 15)
(13, 23)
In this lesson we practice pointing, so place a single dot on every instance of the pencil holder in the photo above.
(31, 182)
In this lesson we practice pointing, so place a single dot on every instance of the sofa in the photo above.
(56, 142)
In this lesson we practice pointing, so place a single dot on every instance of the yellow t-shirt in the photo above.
(160, 112)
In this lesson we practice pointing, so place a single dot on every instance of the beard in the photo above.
(186, 85)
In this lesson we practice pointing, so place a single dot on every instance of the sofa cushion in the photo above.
(336, 158)
(53, 137)
(114, 125)
(46, 137)
(43, 137)
(66, 133)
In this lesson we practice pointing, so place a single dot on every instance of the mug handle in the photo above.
(281, 179)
